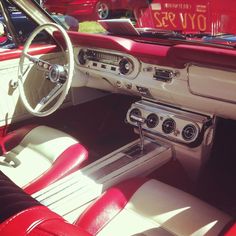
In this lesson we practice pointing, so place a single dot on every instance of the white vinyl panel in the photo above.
(11, 107)
(9, 97)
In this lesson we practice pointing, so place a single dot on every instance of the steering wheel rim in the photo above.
(69, 72)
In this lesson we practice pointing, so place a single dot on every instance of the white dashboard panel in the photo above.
(212, 83)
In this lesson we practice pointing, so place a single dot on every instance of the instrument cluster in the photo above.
(108, 62)
(171, 123)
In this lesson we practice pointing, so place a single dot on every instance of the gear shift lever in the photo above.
(140, 121)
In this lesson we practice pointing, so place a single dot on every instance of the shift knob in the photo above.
(140, 121)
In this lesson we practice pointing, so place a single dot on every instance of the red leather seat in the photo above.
(134, 207)
(149, 207)
(35, 156)
(22, 215)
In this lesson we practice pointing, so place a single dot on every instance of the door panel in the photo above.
(11, 107)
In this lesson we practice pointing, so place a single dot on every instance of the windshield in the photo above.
(201, 21)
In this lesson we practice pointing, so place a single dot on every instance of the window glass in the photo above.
(201, 21)
(22, 26)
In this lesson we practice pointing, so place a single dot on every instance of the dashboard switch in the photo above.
(118, 84)
(144, 92)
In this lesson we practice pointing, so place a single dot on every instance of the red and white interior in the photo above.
(80, 169)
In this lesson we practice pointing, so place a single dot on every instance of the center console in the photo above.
(189, 133)
(69, 196)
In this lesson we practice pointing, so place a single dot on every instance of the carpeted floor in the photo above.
(217, 181)
(99, 124)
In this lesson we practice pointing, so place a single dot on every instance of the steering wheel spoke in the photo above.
(49, 98)
(41, 64)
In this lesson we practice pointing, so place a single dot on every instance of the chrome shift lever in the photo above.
(140, 121)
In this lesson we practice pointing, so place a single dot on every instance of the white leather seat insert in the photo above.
(34, 154)
(159, 209)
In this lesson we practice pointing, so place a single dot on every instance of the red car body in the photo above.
(70, 7)
(85, 9)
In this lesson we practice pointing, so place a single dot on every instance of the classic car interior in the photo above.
(114, 133)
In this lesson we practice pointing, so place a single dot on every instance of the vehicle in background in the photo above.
(18, 20)
(24, 26)
(203, 17)
(89, 10)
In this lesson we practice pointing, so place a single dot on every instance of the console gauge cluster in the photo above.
(107, 61)
(171, 123)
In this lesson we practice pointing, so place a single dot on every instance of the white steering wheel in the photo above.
(59, 75)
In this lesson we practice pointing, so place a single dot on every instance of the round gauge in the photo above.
(125, 66)
(134, 112)
(82, 57)
(152, 121)
(189, 132)
(168, 126)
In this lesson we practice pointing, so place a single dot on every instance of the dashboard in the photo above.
(197, 78)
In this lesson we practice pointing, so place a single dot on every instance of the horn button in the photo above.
(57, 74)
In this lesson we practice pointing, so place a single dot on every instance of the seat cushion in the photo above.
(134, 207)
(153, 208)
(22, 215)
(12, 199)
(31, 151)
